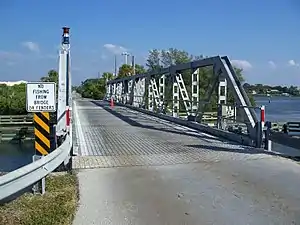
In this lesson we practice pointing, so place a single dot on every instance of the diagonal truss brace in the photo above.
(183, 93)
(155, 91)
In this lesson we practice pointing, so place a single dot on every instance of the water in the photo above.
(281, 109)
(14, 156)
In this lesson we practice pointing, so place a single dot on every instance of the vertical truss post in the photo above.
(150, 94)
(108, 91)
(175, 108)
(195, 92)
(118, 92)
(142, 91)
(125, 91)
(222, 100)
(135, 92)
(114, 91)
(122, 92)
(161, 84)
(222, 91)
(132, 91)
(130, 82)
(139, 90)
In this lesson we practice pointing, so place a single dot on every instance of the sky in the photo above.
(262, 37)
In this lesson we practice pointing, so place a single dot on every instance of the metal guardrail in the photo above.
(30, 174)
(16, 119)
(293, 128)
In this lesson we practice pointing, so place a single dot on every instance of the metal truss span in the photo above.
(175, 90)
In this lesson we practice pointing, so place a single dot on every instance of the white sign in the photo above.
(41, 97)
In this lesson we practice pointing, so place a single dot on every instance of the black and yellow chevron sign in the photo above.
(42, 133)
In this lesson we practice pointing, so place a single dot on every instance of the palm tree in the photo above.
(52, 77)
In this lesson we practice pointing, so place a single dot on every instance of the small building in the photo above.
(274, 91)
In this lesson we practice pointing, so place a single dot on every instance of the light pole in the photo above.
(115, 65)
(125, 54)
(133, 64)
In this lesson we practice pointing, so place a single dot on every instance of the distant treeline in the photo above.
(262, 89)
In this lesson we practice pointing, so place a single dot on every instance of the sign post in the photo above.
(41, 100)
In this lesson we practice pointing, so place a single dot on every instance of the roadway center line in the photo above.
(79, 132)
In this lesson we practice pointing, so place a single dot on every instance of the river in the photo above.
(13, 156)
(279, 109)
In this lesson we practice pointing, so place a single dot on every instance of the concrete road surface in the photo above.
(263, 191)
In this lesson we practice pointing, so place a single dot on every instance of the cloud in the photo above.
(4, 55)
(115, 49)
(272, 64)
(293, 63)
(34, 47)
(243, 64)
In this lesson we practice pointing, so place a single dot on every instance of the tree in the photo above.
(91, 88)
(94, 88)
(13, 99)
(107, 76)
(293, 90)
(173, 56)
(239, 73)
(51, 77)
(125, 70)
(139, 69)
(153, 61)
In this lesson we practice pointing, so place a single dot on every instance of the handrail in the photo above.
(25, 176)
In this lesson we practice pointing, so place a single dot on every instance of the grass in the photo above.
(57, 206)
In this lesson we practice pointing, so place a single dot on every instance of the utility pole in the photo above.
(115, 65)
(125, 54)
(133, 64)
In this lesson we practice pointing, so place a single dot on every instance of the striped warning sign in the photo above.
(42, 133)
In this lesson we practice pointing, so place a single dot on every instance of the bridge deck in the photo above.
(213, 182)
(120, 137)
